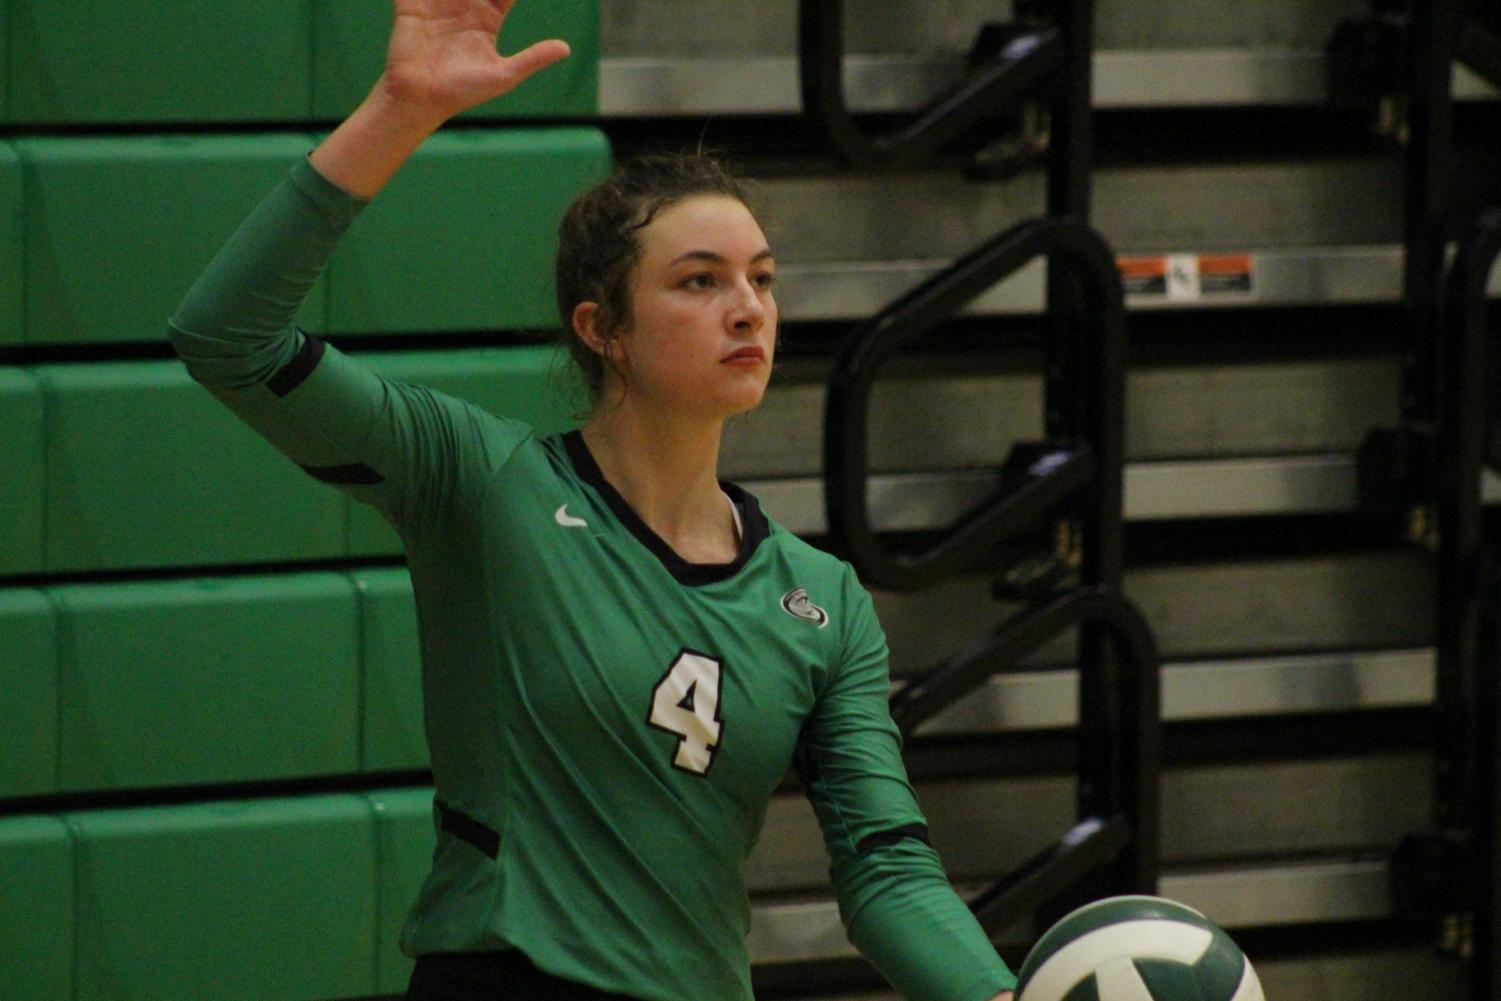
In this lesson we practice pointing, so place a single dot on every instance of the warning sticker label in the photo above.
(1143, 275)
(1224, 273)
(1187, 277)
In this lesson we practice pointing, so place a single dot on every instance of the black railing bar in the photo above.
(921, 308)
(1025, 632)
(1066, 245)
(1090, 845)
(1486, 832)
(1071, 123)
(1428, 200)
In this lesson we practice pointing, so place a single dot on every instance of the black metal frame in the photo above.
(1466, 792)
(1085, 411)
(1047, 50)
(1452, 870)
(1073, 478)
(1119, 745)
(1028, 60)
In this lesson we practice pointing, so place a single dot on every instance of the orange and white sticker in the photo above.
(1187, 277)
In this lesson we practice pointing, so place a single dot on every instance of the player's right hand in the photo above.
(442, 57)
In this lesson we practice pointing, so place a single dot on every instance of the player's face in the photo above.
(704, 321)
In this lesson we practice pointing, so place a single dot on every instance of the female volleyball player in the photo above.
(621, 654)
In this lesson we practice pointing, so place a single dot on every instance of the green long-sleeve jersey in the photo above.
(606, 721)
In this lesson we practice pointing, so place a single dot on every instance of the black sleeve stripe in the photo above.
(356, 472)
(466, 828)
(295, 372)
(884, 839)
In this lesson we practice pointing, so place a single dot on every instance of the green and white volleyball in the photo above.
(1137, 948)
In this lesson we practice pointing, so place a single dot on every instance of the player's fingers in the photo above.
(537, 57)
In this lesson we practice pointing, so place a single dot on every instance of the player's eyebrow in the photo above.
(714, 258)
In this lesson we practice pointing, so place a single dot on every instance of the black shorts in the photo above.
(493, 976)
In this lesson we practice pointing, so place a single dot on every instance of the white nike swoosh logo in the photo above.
(567, 520)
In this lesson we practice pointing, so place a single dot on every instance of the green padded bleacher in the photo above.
(153, 684)
(146, 469)
(4, 63)
(350, 46)
(117, 228)
(528, 383)
(404, 834)
(206, 681)
(138, 688)
(463, 237)
(86, 61)
(391, 729)
(263, 899)
(36, 910)
(11, 270)
(21, 458)
(28, 705)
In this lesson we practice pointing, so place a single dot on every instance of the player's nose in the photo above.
(747, 313)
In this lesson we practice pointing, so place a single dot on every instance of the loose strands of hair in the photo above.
(599, 246)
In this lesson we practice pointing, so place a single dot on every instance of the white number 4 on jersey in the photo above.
(685, 703)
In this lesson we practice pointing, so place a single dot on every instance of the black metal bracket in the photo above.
(1085, 409)
(1479, 45)
(1028, 58)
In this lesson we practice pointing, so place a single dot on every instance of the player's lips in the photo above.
(745, 356)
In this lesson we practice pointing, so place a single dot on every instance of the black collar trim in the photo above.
(691, 574)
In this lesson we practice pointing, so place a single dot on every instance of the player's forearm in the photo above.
(234, 325)
(369, 146)
(904, 916)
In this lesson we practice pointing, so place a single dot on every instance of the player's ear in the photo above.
(585, 327)
(588, 327)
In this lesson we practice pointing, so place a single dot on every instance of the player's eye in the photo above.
(700, 280)
(765, 280)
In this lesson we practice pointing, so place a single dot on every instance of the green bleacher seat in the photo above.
(404, 831)
(527, 382)
(463, 237)
(391, 726)
(207, 681)
(21, 458)
(29, 681)
(11, 261)
(349, 45)
(4, 63)
(88, 62)
(36, 910)
(146, 469)
(264, 899)
(117, 228)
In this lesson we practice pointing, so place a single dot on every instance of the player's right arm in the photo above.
(382, 442)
